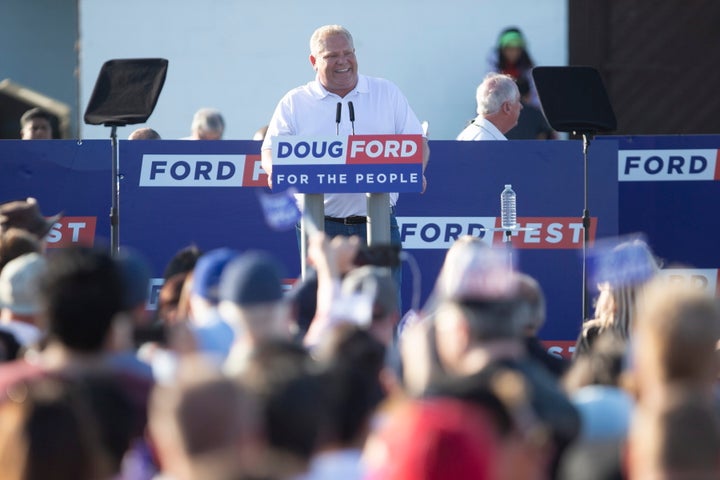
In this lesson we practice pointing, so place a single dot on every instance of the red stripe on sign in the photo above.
(554, 233)
(497, 235)
(717, 165)
(560, 348)
(72, 231)
(384, 149)
(253, 174)
(288, 283)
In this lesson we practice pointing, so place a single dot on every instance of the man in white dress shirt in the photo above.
(498, 107)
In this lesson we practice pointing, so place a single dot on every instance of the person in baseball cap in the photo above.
(19, 300)
(212, 333)
(252, 301)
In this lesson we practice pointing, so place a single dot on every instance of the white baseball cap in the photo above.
(19, 281)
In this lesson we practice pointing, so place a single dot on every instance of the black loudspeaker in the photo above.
(126, 91)
(574, 99)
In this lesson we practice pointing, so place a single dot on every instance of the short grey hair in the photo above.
(495, 90)
(208, 120)
(317, 40)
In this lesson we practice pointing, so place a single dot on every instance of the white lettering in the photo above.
(533, 236)
(577, 228)
(704, 279)
(54, 235)
(76, 227)
(257, 170)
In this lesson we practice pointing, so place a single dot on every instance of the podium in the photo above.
(370, 164)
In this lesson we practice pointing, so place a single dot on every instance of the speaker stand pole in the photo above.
(586, 228)
(115, 208)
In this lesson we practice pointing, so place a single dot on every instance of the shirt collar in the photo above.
(489, 127)
(319, 91)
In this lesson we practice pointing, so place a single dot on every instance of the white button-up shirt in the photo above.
(481, 129)
(310, 110)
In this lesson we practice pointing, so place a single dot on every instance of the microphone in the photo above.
(337, 118)
(352, 117)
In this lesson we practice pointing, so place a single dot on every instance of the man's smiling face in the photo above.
(336, 64)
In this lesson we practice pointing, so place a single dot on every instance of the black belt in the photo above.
(354, 220)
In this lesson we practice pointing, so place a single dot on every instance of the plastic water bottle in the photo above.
(508, 208)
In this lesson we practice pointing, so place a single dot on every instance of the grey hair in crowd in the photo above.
(208, 120)
(495, 90)
(317, 40)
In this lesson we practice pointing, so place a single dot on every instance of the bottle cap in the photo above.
(507, 185)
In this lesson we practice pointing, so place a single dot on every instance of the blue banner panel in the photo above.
(206, 195)
(463, 196)
(177, 193)
(65, 176)
(668, 188)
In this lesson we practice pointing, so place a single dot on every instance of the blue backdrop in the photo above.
(675, 209)
(174, 193)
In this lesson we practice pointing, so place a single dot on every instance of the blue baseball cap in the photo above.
(207, 272)
(250, 279)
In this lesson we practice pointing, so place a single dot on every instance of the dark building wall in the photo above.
(660, 60)
(37, 48)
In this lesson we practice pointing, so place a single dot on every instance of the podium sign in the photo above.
(352, 164)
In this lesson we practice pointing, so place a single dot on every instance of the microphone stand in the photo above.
(351, 108)
(338, 111)
(115, 201)
(586, 221)
(574, 99)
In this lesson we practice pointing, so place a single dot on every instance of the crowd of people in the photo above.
(232, 377)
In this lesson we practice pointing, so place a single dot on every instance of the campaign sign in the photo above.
(677, 165)
(353, 164)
